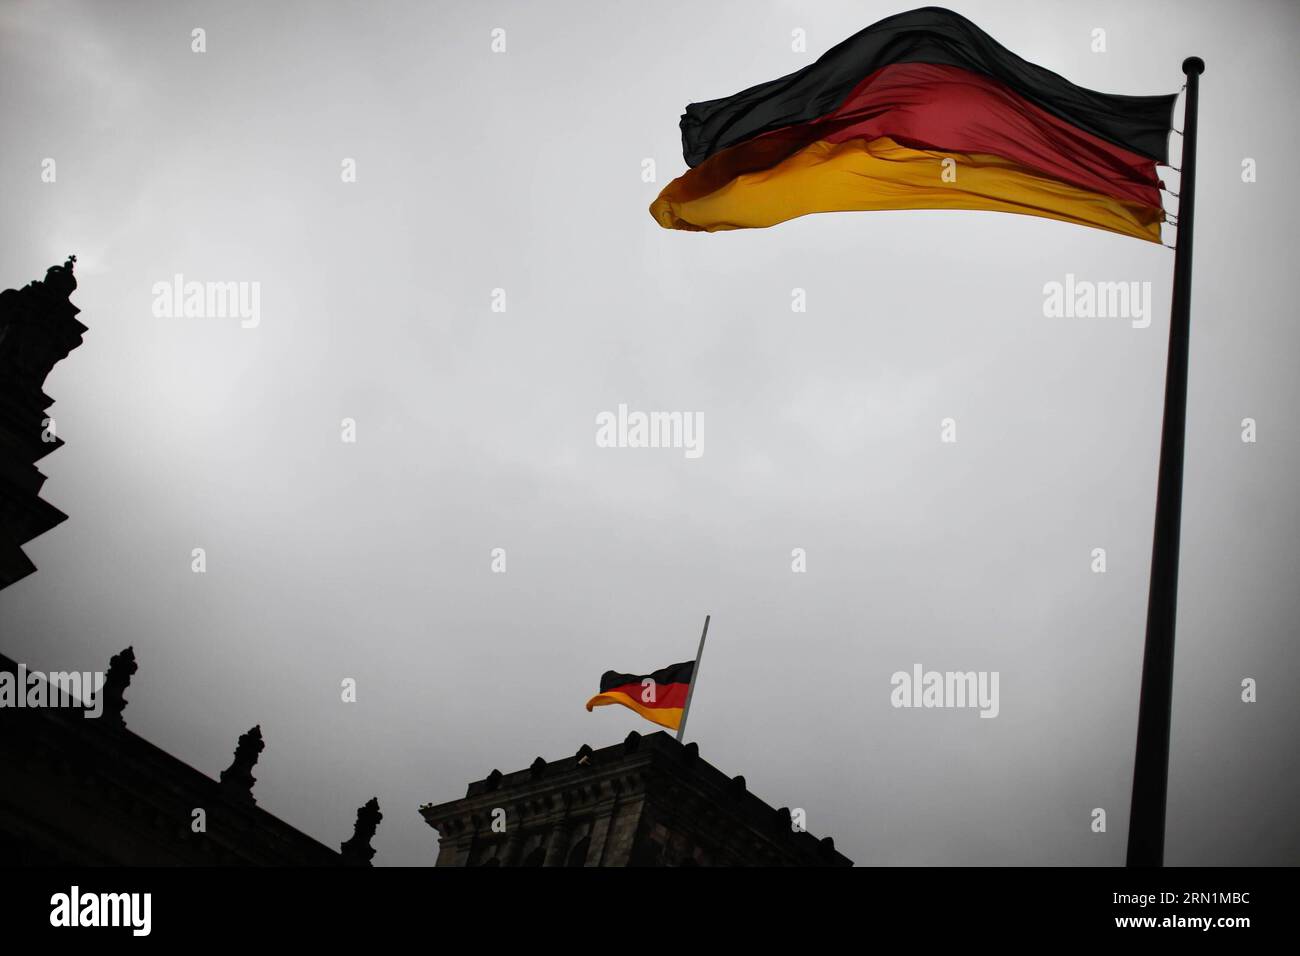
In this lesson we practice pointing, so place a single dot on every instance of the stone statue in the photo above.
(358, 851)
(238, 777)
(121, 668)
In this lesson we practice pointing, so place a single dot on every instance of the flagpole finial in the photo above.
(1193, 66)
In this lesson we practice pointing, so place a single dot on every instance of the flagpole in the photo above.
(695, 679)
(1146, 829)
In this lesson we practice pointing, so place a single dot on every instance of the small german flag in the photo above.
(922, 110)
(659, 697)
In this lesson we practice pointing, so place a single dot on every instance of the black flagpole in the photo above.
(1146, 828)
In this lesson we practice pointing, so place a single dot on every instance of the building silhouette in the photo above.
(38, 328)
(649, 801)
(86, 790)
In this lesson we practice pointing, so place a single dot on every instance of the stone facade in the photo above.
(649, 801)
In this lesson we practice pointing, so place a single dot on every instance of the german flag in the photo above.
(922, 110)
(659, 697)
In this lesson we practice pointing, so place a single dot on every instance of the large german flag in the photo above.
(922, 110)
(659, 697)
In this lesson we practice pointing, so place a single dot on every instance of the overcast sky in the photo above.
(475, 429)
